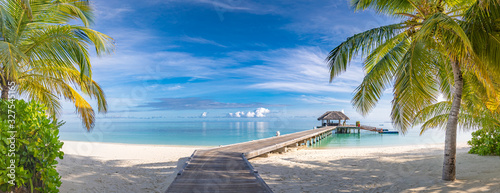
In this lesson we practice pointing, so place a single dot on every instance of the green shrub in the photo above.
(36, 148)
(485, 142)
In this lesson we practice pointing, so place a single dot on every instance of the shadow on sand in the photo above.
(88, 175)
(398, 172)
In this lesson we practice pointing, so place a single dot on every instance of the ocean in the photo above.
(201, 132)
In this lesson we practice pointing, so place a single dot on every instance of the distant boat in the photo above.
(381, 125)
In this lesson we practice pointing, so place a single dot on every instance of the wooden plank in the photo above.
(226, 169)
(256, 173)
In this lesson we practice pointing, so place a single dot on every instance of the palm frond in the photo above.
(389, 7)
(36, 90)
(47, 57)
(380, 66)
(413, 84)
(339, 58)
(9, 57)
(450, 34)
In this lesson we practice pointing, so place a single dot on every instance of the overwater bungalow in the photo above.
(331, 116)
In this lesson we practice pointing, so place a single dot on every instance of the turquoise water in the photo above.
(216, 132)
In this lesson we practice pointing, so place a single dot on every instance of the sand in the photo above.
(121, 168)
(381, 169)
(107, 167)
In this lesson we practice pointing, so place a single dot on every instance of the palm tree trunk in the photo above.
(450, 149)
(5, 92)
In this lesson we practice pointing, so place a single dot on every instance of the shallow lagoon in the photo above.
(224, 132)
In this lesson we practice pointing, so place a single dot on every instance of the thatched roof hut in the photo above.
(332, 115)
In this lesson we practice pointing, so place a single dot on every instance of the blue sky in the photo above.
(176, 59)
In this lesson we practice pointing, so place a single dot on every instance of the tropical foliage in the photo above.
(33, 148)
(44, 49)
(478, 109)
(478, 112)
(434, 50)
(485, 141)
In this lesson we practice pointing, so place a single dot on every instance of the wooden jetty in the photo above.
(381, 131)
(368, 128)
(226, 169)
(347, 129)
(354, 129)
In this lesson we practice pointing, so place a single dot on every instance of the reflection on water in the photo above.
(204, 128)
(262, 126)
(262, 129)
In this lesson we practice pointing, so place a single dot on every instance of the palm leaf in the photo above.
(339, 58)
(381, 66)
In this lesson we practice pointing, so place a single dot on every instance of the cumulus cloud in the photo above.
(259, 112)
(203, 115)
(239, 114)
(250, 114)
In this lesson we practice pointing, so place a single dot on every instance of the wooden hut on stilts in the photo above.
(330, 116)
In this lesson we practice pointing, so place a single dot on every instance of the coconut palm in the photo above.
(44, 50)
(422, 56)
(479, 109)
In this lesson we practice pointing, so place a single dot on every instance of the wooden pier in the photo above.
(354, 129)
(226, 169)
(369, 128)
(347, 129)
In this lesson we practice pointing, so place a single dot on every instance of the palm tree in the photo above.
(47, 57)
(479, 108)
(423, 55)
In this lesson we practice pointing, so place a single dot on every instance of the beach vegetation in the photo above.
(479, 112)
(30, 146)
(423, 56)
(485, 141)
(45, 50)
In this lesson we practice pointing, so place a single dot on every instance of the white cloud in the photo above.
(309, 19)
(200, 40)
(259, 112)
(301, 69)
(250, 114)
(239, 114)
(127, 65)
(223, 6)
(322, 100)
(177, 87)
(203, 115)
(105, 11)
(301, 87)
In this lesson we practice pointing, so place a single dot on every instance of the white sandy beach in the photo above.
(380, 169)
(108, 167)
(121, 168)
